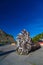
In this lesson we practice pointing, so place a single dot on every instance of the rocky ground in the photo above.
(34, 58)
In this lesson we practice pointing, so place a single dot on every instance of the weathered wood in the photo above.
(25, 44)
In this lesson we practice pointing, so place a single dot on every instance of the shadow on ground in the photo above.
(4, 53)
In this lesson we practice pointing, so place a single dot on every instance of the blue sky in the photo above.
(16, 15)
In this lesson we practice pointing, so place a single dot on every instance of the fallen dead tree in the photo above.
(35, 46)
(24, 43)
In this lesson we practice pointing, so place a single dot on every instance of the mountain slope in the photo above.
(6, 38)
(37, 37)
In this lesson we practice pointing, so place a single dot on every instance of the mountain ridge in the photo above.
(6, 38)
(37, 37)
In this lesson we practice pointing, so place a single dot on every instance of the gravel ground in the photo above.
(34, 58)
